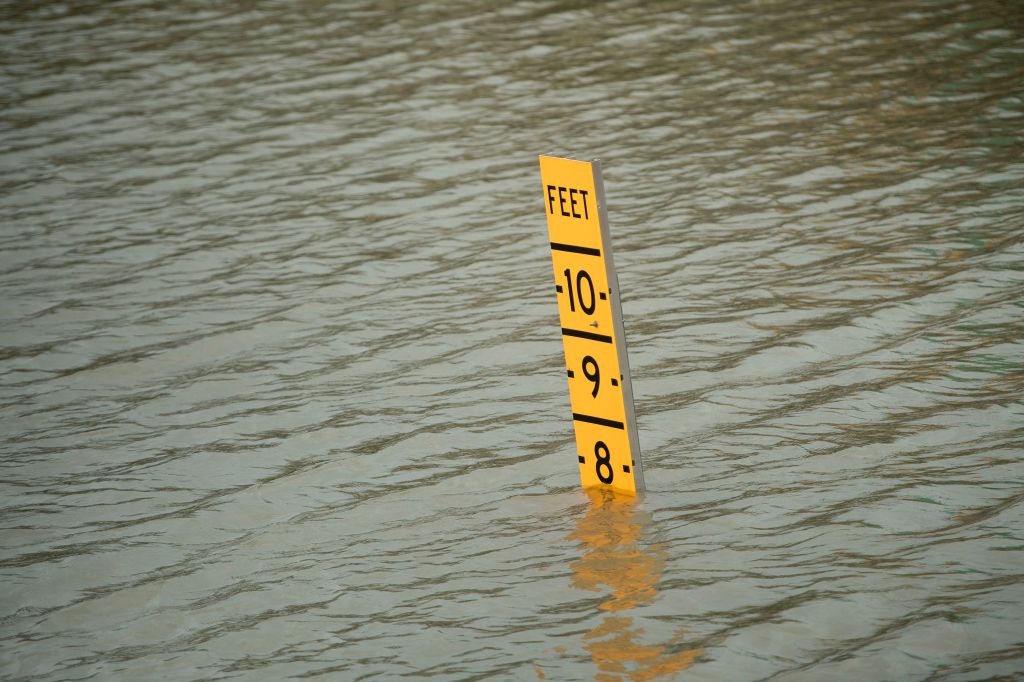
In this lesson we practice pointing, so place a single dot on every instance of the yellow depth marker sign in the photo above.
(587, 290)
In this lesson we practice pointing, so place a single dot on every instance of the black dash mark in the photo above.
(586, 335)
(570, 373)
(625, 468)
(600, 421)
(615, 382)
(558, 288)
(583, 460)
(604, 296)
(572, 248)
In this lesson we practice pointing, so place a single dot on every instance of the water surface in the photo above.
(280, 370)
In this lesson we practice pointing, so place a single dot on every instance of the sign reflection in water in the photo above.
(615, 560)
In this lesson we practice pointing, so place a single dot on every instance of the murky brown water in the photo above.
(281, 376)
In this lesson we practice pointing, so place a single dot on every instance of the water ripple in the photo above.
(279, 371)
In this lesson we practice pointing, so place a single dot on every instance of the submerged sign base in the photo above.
(587, 290)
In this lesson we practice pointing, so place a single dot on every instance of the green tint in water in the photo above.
(281, 379)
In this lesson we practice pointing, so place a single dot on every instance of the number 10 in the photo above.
(581, 276)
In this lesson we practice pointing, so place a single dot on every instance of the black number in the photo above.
(581, 276)
(592, 375)
(603, 461)
(568, 285)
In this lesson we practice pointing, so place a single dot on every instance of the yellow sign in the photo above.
(600, 391)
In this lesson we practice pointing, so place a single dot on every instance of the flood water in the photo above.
(282, 391)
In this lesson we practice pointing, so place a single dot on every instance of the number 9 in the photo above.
(593, 375)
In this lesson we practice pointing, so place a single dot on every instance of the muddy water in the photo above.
(281, 390)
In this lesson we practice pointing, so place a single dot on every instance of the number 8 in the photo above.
(603, 461)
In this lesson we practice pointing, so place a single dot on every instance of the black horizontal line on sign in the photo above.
(572, 248)
(600, 421)
(586, 335)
